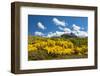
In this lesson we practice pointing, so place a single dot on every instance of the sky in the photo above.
(49, 26)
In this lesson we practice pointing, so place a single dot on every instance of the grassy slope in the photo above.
(42, 55)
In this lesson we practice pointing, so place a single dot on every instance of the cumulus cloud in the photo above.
(41, 26)
(77, 32)
(59, 22)
(83, 34)
(75, 27)
(59, 33)
(55, 34)
(67, 30)
(80, 33)
(37, 33)
(61, 28)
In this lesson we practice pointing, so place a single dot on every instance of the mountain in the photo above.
(69, 35)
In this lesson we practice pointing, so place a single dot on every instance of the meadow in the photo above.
(64, 47)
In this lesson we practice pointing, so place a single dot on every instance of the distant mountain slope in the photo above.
(68, 36)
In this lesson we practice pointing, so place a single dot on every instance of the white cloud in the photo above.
(55, 34)
(67, 30)
(37, 33)
(77, 32)
(59, 22)
(80, 33)
(75, 27)
(58, 33)
(61, 28)
(41, 26)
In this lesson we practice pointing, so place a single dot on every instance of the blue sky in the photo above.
(44, 25)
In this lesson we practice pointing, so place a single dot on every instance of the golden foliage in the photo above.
(31, 47)
(59, 46)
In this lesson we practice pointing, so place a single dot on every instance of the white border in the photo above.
(25, 64)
